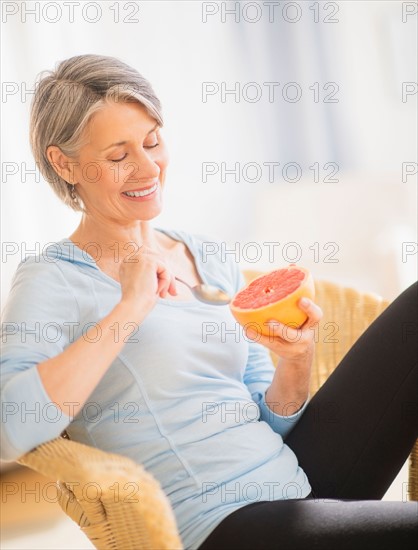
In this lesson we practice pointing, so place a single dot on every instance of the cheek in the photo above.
(101, 181)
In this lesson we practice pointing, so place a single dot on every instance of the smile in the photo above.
(143, 193)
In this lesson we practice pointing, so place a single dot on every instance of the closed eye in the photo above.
(126, 154)
(121, 159)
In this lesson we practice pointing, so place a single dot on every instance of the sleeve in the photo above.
(38, 322)
(258, 376)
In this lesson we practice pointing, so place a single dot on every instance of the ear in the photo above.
(64, 166)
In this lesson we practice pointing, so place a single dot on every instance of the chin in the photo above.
(150, 214)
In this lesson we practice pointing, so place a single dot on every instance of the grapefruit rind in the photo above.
(285, 309)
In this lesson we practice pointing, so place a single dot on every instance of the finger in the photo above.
(173, 287)
(272, 330)
(275, 344)
(164, 280)
(288, 333)
(313, 311)
(254, 334)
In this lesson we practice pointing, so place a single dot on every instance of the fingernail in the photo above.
(304, 302)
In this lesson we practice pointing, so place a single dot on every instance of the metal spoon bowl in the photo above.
(208, 294)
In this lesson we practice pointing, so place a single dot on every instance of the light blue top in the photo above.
(184, 397)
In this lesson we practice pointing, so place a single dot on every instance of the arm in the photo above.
(34, 328)
(289, 390)
(290, 385)
(88, 351)
(282, 393)
(261, 377)
(47, 376)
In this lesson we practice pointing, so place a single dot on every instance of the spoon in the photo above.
(208, 294)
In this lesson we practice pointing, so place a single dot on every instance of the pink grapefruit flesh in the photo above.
(274, 296)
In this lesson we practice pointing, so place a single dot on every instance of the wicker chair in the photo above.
(119, 505)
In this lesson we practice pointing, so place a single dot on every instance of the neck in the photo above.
(114, 238)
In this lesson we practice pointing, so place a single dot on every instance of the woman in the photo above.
(101, 341)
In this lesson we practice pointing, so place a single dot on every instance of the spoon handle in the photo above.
(181, 281)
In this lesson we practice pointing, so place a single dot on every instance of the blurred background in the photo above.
(291, 123)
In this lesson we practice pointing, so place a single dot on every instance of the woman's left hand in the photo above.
(291, 344)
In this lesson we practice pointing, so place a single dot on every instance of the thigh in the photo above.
(359, 428)
(317, 524)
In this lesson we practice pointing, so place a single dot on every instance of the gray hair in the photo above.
(66, 99)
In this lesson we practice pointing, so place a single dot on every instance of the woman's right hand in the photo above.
(144, 276)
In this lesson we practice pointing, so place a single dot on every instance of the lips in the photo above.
(138, 189)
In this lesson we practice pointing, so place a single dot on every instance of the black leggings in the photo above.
(353, 438)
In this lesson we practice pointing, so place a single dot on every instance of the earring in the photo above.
(72, 193)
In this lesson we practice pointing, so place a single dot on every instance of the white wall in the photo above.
(369, 133)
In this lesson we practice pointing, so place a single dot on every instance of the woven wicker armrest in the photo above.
(116, 502)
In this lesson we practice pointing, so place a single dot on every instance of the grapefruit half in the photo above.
(274, 296)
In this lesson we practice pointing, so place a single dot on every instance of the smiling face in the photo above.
(120, 172)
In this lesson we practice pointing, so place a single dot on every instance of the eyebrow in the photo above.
(125, 142)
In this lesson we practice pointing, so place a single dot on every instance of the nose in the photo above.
(142, 167)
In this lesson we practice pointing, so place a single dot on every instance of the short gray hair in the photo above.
(66, 99)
